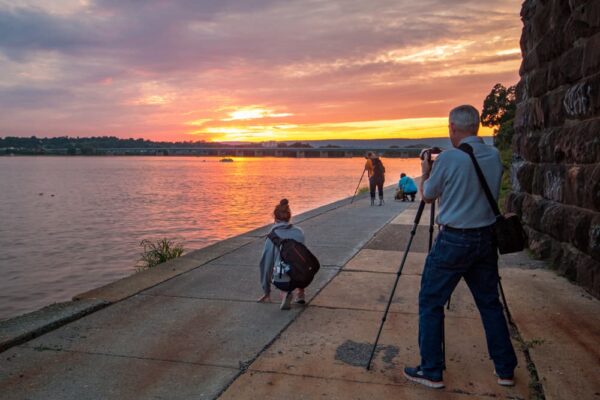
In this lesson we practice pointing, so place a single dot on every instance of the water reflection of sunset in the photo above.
(112, 203)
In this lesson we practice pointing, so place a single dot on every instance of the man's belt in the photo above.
(466, 230)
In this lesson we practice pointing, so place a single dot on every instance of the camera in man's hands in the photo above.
(430, 154)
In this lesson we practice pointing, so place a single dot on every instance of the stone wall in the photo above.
(556, 166)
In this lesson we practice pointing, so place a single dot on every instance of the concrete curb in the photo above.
(25, 327)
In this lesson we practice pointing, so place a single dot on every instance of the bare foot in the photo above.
(264, 299)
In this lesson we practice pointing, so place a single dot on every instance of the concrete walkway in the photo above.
(201, 335)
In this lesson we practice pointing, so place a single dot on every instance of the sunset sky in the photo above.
(250, 70)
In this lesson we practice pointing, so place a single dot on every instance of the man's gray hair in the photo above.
(465, 118)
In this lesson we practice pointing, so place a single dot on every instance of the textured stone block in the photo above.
(521, 90)
(588, 274)
(576, 5)
(566, 260)
(525, 175)
(574, 185)
(553, 221)
(576, 227)
(531, 144)
(552, 106)
(555, 76)
(529, 115)
(577, 100)
(546, 146)
(578, 145)
(526, 43)
(537, 185)
(559, 15)
(540, 20)
(550, 46)
(593, 82)
(528, 10)
(592, 189)
(594, 237)
(577, 29)
(532, 210)
(589, 12)
(514, 202)
(591, 55)
(548, 181)
(553, 181)
(570, 65)
(530, 62)
(537, 82)
(540, 245)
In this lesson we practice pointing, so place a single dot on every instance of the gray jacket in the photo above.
(270, 255)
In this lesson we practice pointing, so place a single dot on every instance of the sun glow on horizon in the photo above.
(409, 128)
(254, 113)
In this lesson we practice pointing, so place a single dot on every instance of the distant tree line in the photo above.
(89, 145)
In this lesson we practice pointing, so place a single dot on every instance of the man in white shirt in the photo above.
(464, 248)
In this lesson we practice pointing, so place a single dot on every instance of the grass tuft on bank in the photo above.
(158, 252)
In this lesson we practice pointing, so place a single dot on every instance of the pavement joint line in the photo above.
(447, 315)
(536, 385)
(204, 298)
(40, 348)
(377, 272)
(407, 384)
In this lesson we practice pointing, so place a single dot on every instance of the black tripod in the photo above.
(410, 240)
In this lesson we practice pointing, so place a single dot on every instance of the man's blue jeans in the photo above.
(473, 256)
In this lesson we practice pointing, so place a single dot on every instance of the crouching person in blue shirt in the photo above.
(408, 187)
(464, 248)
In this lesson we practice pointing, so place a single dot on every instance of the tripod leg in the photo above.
(508, 316)
(357, 186)
(387, 308)
(431, 223)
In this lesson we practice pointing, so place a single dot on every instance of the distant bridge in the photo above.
(324, 152)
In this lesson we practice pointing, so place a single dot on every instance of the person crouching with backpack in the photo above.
(271, 257)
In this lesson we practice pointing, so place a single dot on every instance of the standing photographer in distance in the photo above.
(376, 172)
(464, 248)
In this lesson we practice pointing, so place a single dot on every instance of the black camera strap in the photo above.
(488, 193)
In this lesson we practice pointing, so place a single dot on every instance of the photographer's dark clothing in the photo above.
(378, 168)
(464, 249)
(377, 178)
(376, 183)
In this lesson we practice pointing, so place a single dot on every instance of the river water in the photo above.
(70, 224)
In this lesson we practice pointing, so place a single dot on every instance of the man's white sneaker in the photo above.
(505, 381)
